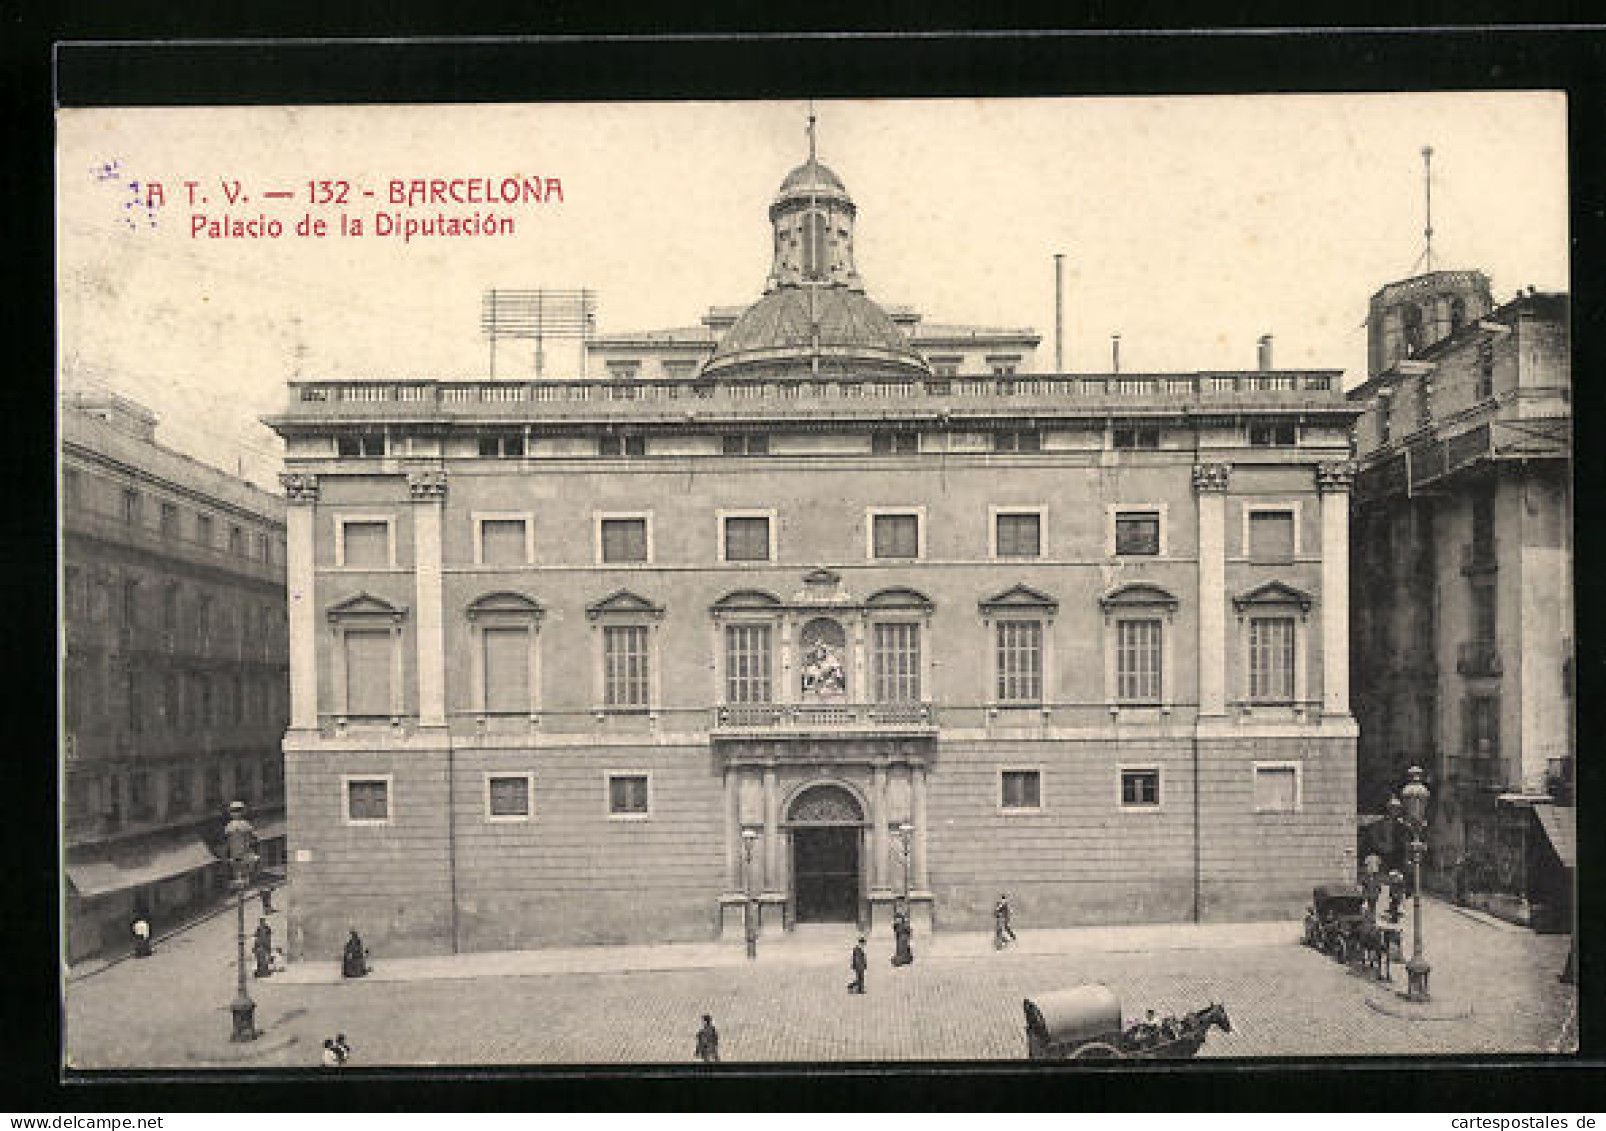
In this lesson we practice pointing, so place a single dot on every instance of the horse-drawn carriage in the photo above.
(1084, 1023)
(1339, 923)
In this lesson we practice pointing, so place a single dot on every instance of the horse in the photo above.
(1200, 1020)
(1372, 942)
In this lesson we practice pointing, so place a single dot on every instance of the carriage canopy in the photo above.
(1080, 1013)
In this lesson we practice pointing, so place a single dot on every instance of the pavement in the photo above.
(961, 1000)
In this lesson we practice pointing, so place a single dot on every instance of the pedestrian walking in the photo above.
(267, 900)
(708, 1042)
(342, 1047)
(142, 937)
(858, 963)
(1002, 930)
(354, 961)
(331, 1055)
(262, 949)
(1372, 883)
(902, 954)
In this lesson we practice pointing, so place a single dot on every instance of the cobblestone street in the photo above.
(1284, 1000)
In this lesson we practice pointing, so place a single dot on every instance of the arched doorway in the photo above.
(826, 823)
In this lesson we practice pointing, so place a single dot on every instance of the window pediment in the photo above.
(1020, 597)
(504, 603)
(1273, 593)
(744, 600)
(365, 606)
(899, 598)
(623, 603)
(1138, 595)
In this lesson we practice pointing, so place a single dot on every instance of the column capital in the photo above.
(1211, 477)
(427, 485)
(1332, 477)
(299, 486)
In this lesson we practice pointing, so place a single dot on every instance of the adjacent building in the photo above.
(809, 629)
(174, 681)
(1462, 602)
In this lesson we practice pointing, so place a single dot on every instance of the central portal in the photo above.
(825, 870)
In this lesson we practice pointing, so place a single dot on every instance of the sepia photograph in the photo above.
(816, 581)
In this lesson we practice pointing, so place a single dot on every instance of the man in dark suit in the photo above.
(859, 963)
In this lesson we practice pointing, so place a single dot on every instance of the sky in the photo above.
(1191, 226)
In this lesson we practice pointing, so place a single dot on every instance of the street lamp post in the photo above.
(241, 840)
(750, 914)
(1414, 799)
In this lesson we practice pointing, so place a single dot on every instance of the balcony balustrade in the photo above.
(815, 718)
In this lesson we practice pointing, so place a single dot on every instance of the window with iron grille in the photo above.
(894, 443)
(1020, 661)
(1021, 789)
(624, 540)
(747, 539)
(1019, 535)
(746, 444)
(747, 663)
(1137, 661)
(1271, 659)
(361, 444)
(1276, 789)
(508, 796)
(896, 536)
(368, 799)
(1017, 441)
(627, 795)
(621, 445)
(1140, 789)
(502, 446)
(897, 663)
(624, 660)
(1137, 533)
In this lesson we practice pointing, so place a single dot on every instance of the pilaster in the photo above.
(301, 495)
(428, 489)
(1210, 486)
(1333, 482)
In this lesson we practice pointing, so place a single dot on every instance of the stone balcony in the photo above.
(772, 720)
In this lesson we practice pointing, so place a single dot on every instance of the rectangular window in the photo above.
(130, 608)
(1020, 661)
(140, 804)
(628, 795)
(1271, 659)
(1140, 789)
(178, 792)
(1485, 370)
(368, 672)
(1137, 661)
(236, 541)
(366, 545)
(1483, 526)
(1021, 789)
(1147, 437)
(212, 782)
(1137, 532)
(1484, 612)
(679, 369)
(896, 536)
(621, 445)
(624, 659)
(361, 444)
(507, 670)
(754, 444)
(507, 796)
(131, 688)
(623, 370)
(624, 540)
(748, 664)
(1019, 535)
(1271, 537)
(897, 663)
(1272, 435)
(203, 621)
(747, 539)
(367, 800)
(1276, 789)
(131, 505)
(169, 520)
(1003, 366)
(1017, 441)
(203, 529)
(945, 366)
(503, 542)
(894, 443)
(502, 446)
(1483, 726)
(71, 487)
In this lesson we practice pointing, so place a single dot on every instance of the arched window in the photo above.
(1458, 313)
(1411, 319)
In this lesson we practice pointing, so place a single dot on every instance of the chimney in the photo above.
(1059, 312)
(1115, 353)
(1265, 352)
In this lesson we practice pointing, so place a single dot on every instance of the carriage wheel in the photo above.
(1096, 1050)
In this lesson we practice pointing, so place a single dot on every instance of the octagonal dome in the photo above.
(773, 337)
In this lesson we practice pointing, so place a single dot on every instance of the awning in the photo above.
(101, 877)
(1560, 825)
(271, 829)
